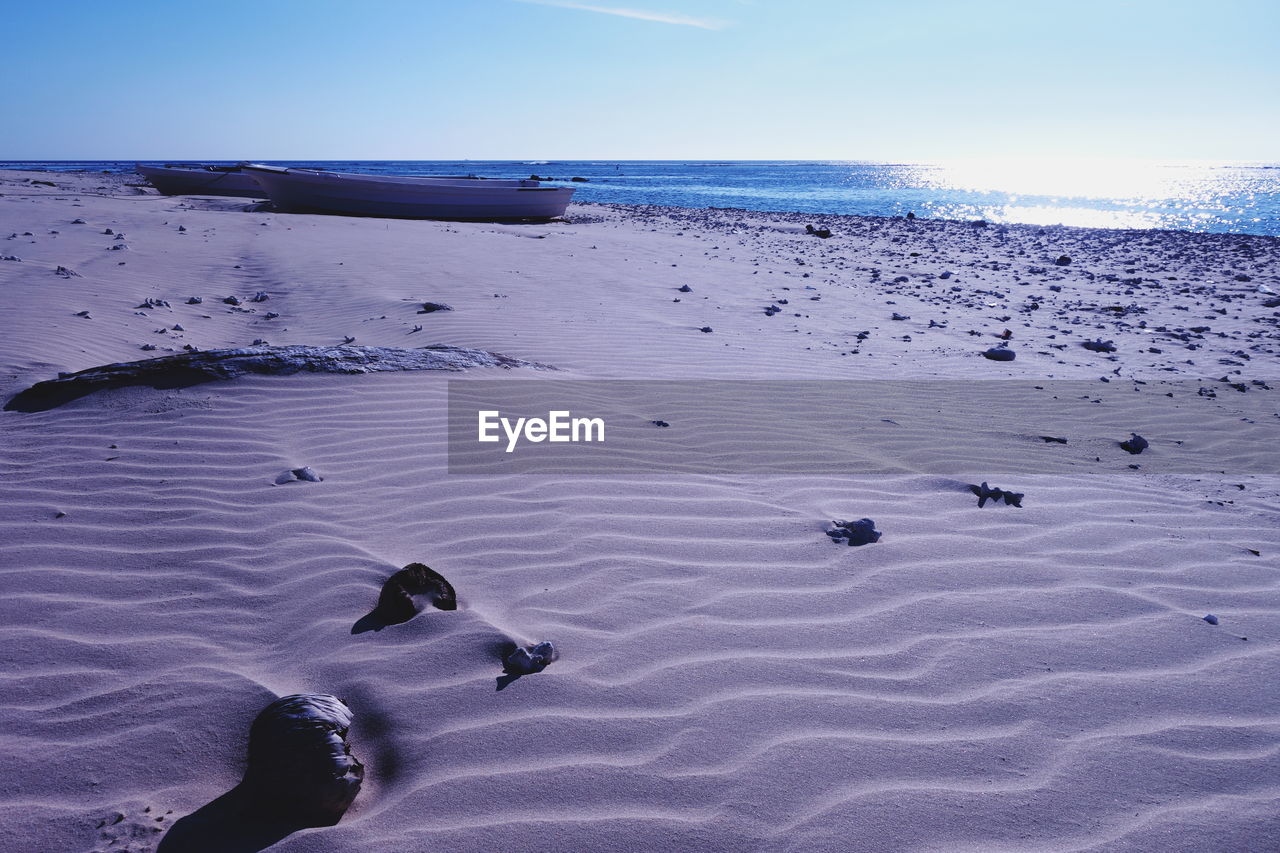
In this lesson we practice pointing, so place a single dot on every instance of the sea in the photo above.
(1234, 197)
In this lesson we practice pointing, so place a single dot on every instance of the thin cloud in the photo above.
(638, 14)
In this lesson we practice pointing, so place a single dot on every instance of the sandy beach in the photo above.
(996, 678)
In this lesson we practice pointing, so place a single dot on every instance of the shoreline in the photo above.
(922, 214)
(1009, 676)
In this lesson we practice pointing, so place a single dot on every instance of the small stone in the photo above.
(1000, 354)
(706, 329)
(1135, 445)
(195, 300)
(1063, 260)
(306, 474)
(432, 307)
(530, 659)
(232, 300)
(860, 532)
(1211, 619)
(260, 296)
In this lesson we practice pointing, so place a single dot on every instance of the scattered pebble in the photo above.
(1136, 444)
(306, 474)
(532, 658)
(861, 532)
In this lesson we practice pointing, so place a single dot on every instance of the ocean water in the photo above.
(1217, 197)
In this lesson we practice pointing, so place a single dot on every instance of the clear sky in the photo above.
(894, 80)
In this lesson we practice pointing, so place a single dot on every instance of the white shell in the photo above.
(532, 658)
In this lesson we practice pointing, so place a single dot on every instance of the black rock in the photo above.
(861, 532)
(1049, 439)
(432, 307)
(1099, 345)
(1063, 260)
(706, 329)
(660, 423)
(232, 300)
(1000, 354)
(1136, 444)
(684, 288)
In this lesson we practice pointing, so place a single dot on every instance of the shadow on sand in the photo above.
(225, 825)
(370, 622)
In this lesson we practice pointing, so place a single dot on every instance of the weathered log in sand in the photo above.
(194, 368)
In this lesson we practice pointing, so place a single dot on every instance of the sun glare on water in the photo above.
(1110, 193)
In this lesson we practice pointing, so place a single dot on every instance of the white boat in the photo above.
(194, 179)
(314, 190)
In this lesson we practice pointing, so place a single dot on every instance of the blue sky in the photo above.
(641, 79)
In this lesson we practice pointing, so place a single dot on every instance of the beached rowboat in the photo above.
(409, 197)
(189, 179)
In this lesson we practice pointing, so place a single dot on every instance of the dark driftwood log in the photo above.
(396, 603)
(301, 769)
(194, 368)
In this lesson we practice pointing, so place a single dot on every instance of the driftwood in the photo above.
(995, 495)
(194, 368)
(301, 769)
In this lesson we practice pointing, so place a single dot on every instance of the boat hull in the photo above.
(301, 190)
(177, 181)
